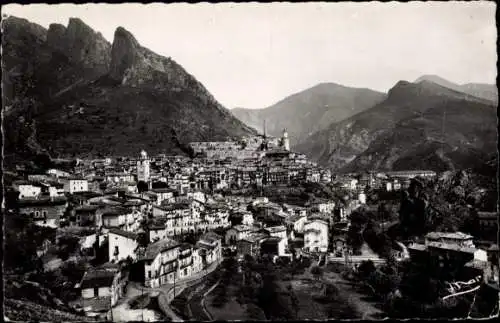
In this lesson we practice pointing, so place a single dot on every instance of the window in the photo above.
(116, 251)
(96, 291)
(149, 274)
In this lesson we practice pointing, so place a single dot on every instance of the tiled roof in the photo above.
(275, 229)
(417, 246)
(241, 228)
(255, 237)
(86, 208)
(294, 218)
(123, 233)
(439, 245)
(487, 214)
(479, 264)
(102, 277)
(448, 235)
(174, 206)
(42, 201)
(113, 211)
(155, 248)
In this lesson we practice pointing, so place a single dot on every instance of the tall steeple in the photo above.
(285, 140)
(264, 128)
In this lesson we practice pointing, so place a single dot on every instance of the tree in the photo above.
(317, 272)
(354, 237)
(365, 268)
(142, 186)
(67, 246)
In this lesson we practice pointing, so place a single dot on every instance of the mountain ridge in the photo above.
(310, 110)
(397, 129)
(480, 90)
(120, 97)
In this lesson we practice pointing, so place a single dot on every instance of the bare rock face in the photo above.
(56, 37)
(124, 53)
(136, 66)
(85, 46)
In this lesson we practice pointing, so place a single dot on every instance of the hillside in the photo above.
(484, 91)
(419, 125)
(69, 92)
(310, 110)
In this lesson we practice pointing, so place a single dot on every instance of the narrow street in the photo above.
(165, 294)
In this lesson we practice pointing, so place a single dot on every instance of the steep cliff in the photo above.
(88, 97)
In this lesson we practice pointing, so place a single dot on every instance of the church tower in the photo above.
(143, 168)
(285, 140)
(265, 143)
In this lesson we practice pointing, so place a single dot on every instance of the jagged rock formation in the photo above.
(85, 46)
(56, 37)
(89, 97)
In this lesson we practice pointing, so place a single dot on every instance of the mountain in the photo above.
(418, 126)
(309, 111)
(480, 90)
(68, 92)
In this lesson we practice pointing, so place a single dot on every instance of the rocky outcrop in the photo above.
(56, 37)
(124, 53)
(134, 98)
(85, 46)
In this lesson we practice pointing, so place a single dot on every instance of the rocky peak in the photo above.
(56, 37)
(84, 45)
(124, 53)
(16, 29)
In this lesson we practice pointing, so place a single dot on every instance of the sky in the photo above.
(253, 55)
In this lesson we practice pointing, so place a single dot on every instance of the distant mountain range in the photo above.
(480, 90)
(69, 92)
(310, 110)
(421, 125)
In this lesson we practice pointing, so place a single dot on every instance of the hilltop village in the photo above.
(149, 222)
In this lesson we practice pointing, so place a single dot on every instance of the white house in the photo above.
(157, 229)
(212, 244)
(122, 244)
(237, 233)
(164, 194)
(102, 288)
(27, 189)
(279, 232)
(362, 198)
(274, 246)
(316, 236)
(57, 173)
(247, 219)
(296, 222)
(325, 206)
(75, 184)
(160, 263)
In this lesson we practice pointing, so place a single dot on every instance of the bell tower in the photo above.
(143, 168)
(285, 140)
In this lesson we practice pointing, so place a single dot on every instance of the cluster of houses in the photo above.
(444, 253)
(142, 209)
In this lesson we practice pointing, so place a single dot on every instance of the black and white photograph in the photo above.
(249, 161)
